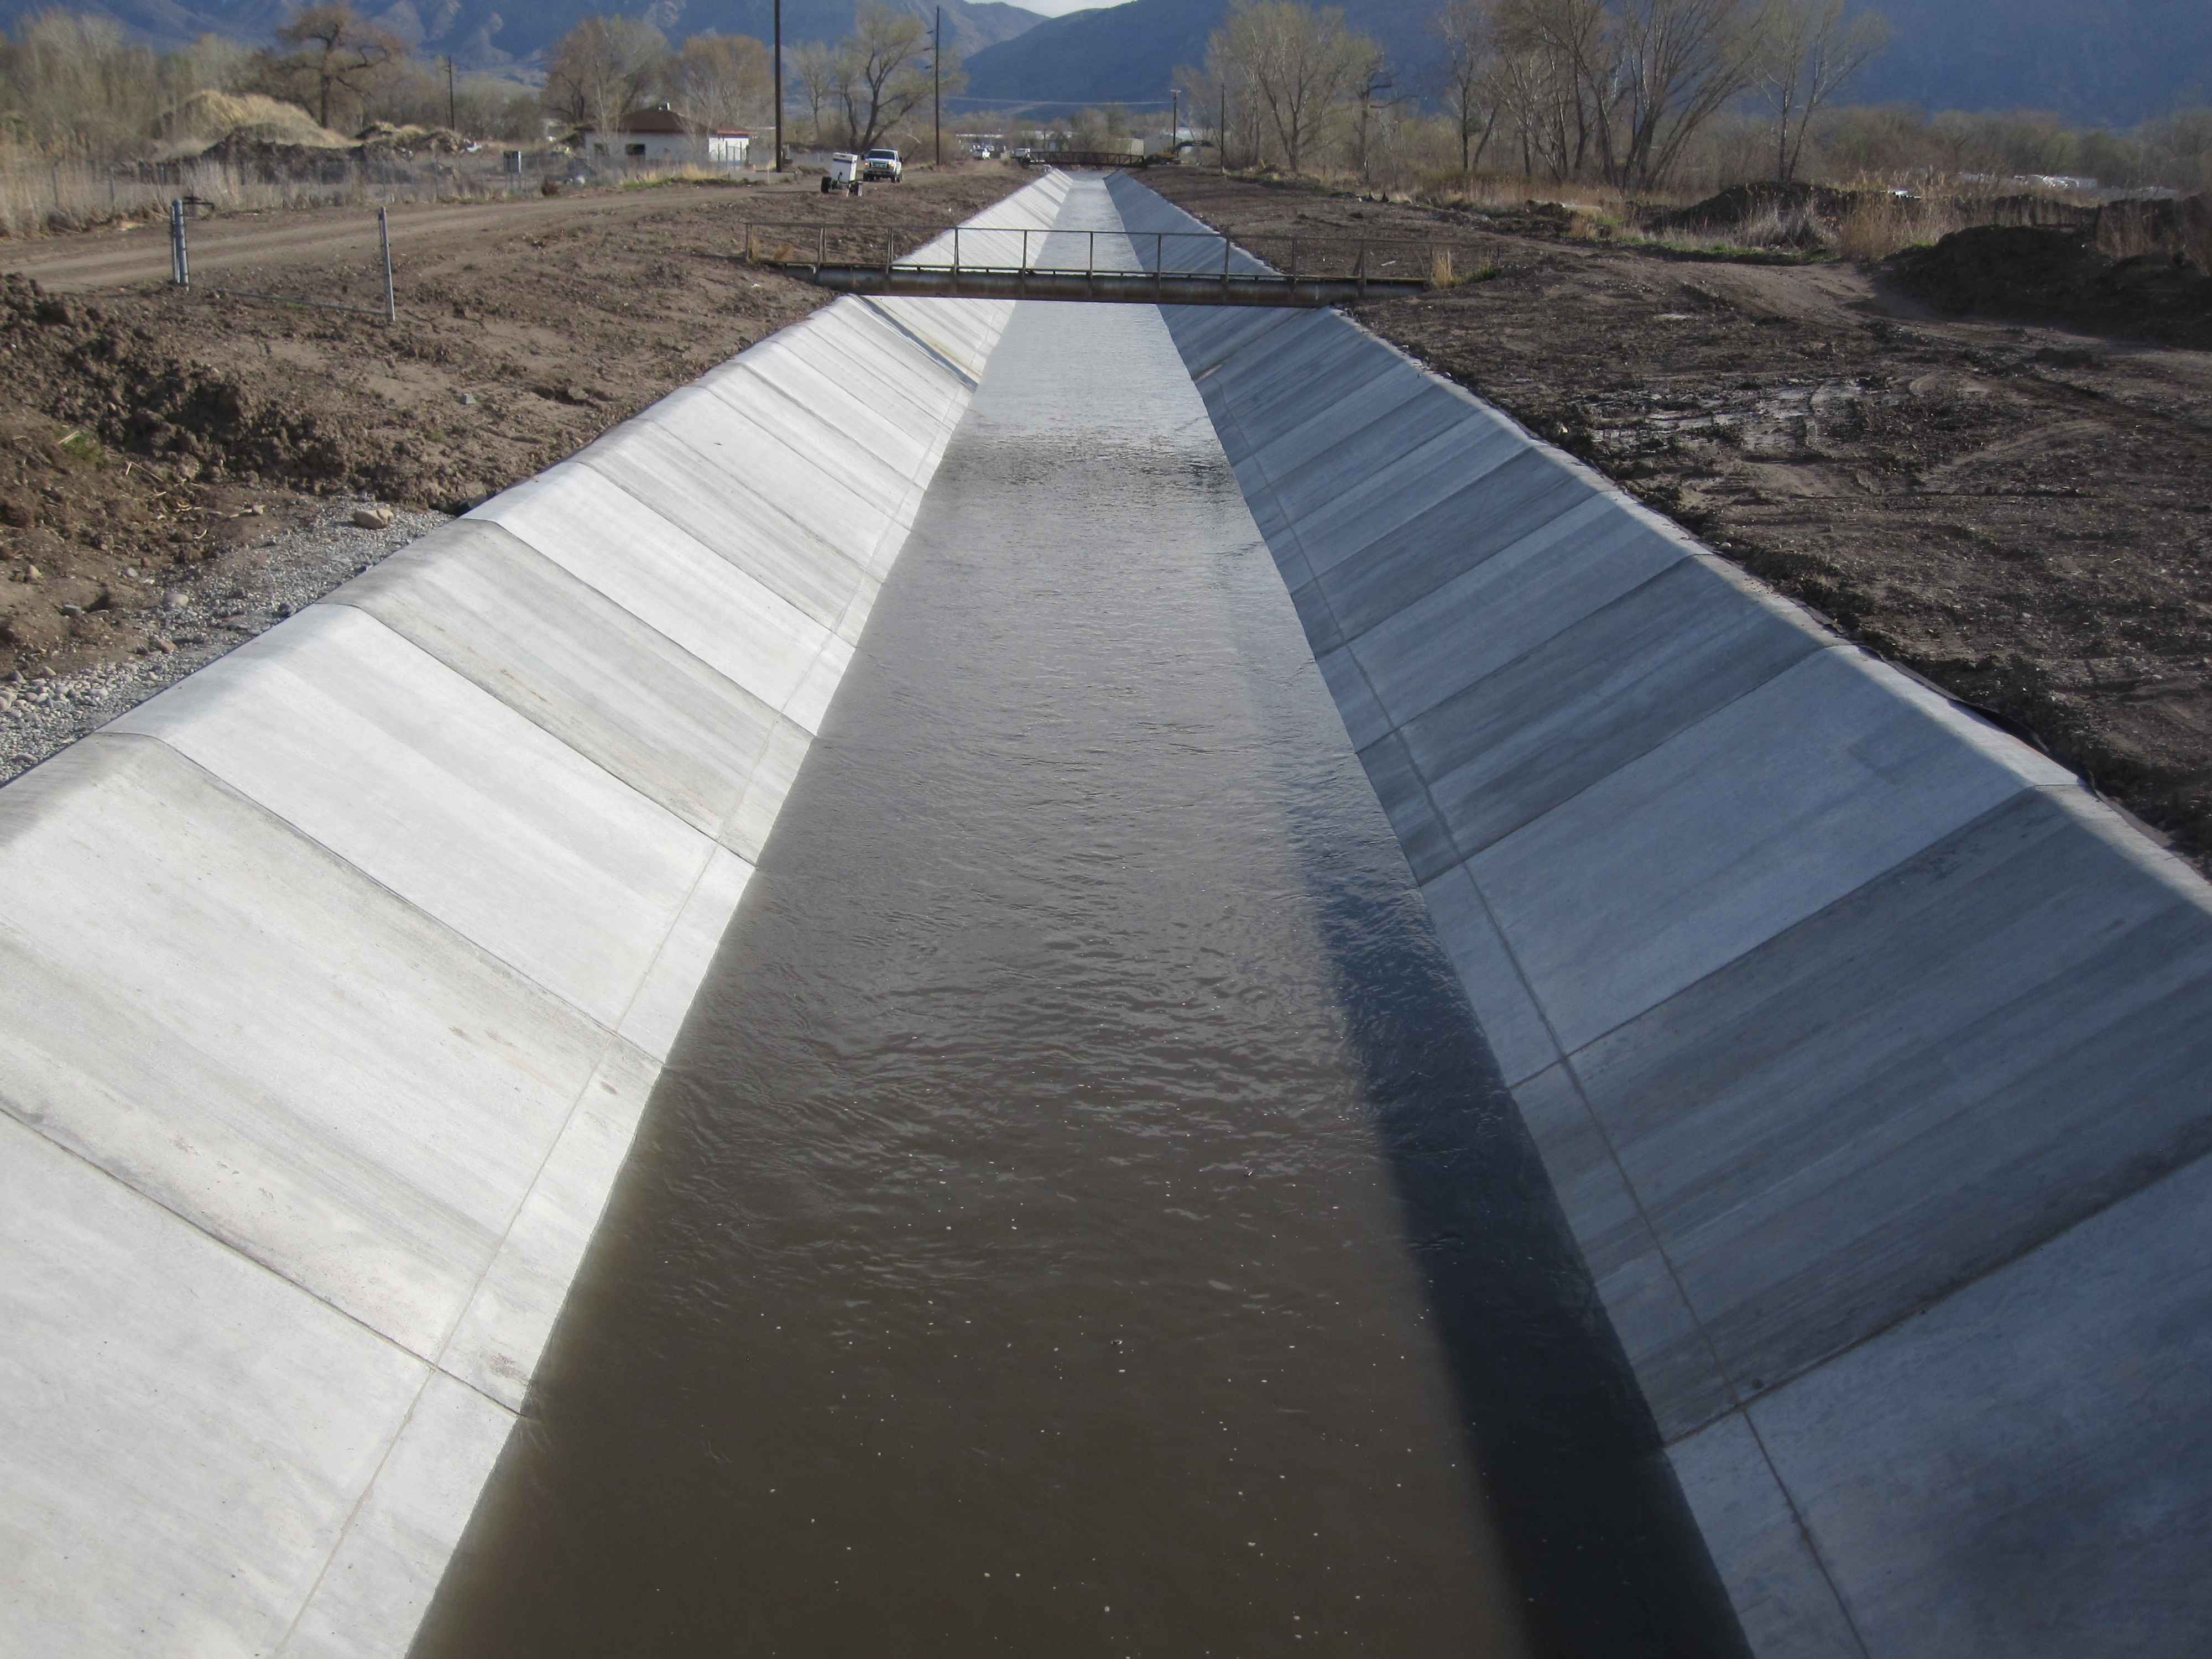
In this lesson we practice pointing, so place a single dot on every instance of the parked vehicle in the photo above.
(844, 173)
(883, 164)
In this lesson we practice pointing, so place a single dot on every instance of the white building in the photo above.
(660, 137)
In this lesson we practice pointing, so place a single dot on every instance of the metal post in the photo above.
(1360, 270)
(1090, 257)
(384, 231)
(937, 85)
(822, 250)
(1224, 262)
(1294, 262)
(887, 253)
(778, 55)
(180, 264)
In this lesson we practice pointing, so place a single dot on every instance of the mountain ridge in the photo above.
(479, 35)
(2133, 60)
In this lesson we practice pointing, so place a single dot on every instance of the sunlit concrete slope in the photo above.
(1870, 1053)
(332, 981)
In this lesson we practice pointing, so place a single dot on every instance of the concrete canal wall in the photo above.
(1870, 1053)
(333, 980)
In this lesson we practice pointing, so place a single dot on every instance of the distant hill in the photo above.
(1127, 53)
(2109, 65)
(490, 34)
(2112, 63)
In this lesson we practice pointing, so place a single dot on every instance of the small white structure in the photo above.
(662, 137)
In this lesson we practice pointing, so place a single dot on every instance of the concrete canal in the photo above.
(1080, 1215)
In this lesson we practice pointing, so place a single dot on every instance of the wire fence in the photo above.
(181, 213)
(39, 196)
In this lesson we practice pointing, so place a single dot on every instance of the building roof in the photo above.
(661, 119)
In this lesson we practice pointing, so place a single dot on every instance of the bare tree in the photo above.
(1681, 63)
(1813, 46)
(605, 68)
(1370, 81)
(336, 56)
(1471, 84)
(1619, 88)
(1299, 67)
(884, 72)
(815, 67)
(721, 80)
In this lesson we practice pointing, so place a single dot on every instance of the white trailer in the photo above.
(844, 173)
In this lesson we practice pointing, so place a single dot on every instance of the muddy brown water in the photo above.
(1080, 1216)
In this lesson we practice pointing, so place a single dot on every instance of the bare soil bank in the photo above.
(2022, 513)
(153, 442)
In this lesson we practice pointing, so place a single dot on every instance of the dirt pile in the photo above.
(2025, 271)
(1790, 214)
(382, 139)
(281, 152)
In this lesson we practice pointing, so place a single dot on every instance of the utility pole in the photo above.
(450, 125)
(779, 85)
(1175, 124)
(937, 84)
(1221, 132)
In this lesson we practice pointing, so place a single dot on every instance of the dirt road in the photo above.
(2021, 513)
(139, 424)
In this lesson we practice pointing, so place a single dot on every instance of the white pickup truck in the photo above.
(883, 164)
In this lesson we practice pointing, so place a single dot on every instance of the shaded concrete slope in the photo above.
(1870, 1052)
(333, 980)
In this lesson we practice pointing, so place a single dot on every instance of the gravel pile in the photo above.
(237, 600)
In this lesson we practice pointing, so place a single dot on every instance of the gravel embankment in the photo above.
(243, 596)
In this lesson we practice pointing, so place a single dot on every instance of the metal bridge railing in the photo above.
(984, 250)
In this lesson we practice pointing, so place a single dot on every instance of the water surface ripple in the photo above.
(1014, 1258)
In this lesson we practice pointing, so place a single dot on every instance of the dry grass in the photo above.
(40, 197)
(1884, 223)
(2196, 233)
(1504, 192)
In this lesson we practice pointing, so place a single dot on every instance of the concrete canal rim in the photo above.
(334, 980)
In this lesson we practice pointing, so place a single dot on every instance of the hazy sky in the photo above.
(1061, 8)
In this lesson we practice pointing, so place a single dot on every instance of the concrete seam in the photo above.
(1805, 1532)
(1996, 1267)
(1741, 1408)
(224, 785)
(936, 356)
(233, 1247)
(335, 602)
(353, 1515)
(1222, 416)
(802, 534)
(1674, 1278)
(1711, 714)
